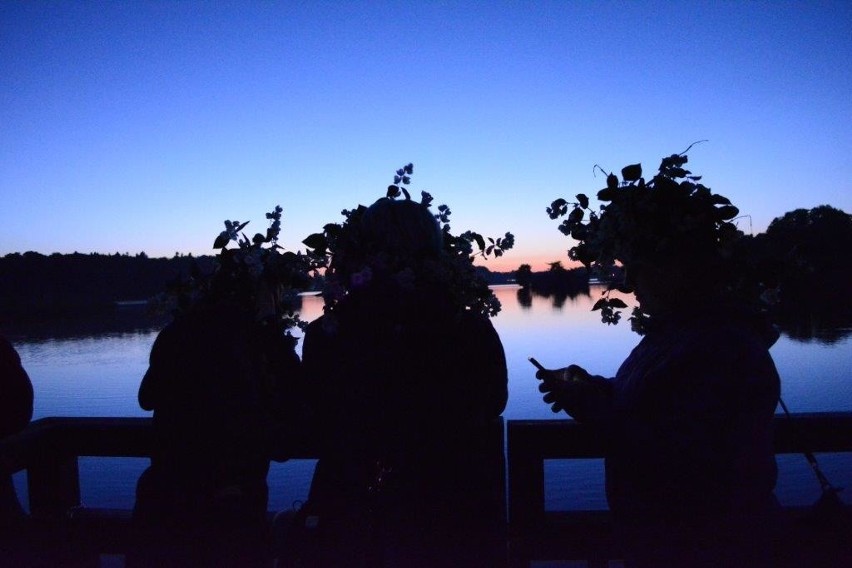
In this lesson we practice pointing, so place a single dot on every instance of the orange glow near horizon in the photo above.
(508, 263)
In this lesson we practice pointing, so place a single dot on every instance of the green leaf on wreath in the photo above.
(316, 241)
(632, 172)
(221, 241)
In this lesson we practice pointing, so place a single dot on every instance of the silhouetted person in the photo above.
(688, 419)
(690, 468)
(219, 382)
(406, 381)
(16, 410)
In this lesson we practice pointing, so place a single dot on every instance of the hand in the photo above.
(560, 386)
(572, 389)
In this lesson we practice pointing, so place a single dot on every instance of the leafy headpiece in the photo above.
(238, 276)
(670, 219)
(352, 260)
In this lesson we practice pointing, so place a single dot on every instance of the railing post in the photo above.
(53, 479)
(526, 479)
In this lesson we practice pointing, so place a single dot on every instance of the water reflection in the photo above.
(138, 319)
(557, 296)
(524, 296)
(804, 325)
(131, 320)
(810, 330)
(557, 285)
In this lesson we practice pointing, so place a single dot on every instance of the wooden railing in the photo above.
(535, 533)
(49, 448)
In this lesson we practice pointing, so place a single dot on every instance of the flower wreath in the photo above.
(453, 270)
(236, 276)
(646, 221)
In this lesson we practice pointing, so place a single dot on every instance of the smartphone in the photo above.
(541, 367)
(538, 365)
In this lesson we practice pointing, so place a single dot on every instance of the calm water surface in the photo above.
(95, 372)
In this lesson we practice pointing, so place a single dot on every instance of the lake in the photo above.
(93, 368)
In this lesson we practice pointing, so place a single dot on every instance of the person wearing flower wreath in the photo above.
(690, 468)
(408, 373)
(225, 385)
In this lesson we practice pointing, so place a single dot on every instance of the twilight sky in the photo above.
(141, 126)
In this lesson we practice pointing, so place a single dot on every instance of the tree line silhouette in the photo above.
(34, 286)
(804, 254)
(37, 286)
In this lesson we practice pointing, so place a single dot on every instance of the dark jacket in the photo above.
(407, 389)
(694, 404)
(690, 470)
(405, 372)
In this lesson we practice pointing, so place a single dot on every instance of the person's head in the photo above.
(398, 248)
(400, 232)
(258, 277)
(672, 235)
(402, 228)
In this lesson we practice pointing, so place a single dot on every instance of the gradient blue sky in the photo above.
(141, 126)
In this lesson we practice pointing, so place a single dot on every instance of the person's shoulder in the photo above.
(725, 348)
(476, 331)
(735, 331)
(690, 340)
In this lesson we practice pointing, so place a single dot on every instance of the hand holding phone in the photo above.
(550, 374)
(571, 373)
(544, 374)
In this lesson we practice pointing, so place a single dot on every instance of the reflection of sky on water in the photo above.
(88, 376)
(98, 375)
(557, 338)
(815, 376)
